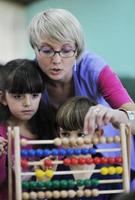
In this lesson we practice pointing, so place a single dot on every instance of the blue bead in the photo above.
(47, 152)
(31, 152)
(39, 152)
(77, 151)
(24, 153)
(85, 151)
(69, 151)
(92, 151)
(62, 152)
(55, 152)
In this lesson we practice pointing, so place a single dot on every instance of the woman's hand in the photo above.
(99, 115)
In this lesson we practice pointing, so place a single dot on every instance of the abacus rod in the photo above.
(108, 150)
(110, 181)
(17, 163)
(64, 172)
(110, 191)
(126, 184)
(9, 135)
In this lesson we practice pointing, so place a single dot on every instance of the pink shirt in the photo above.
(4, 168)
(111, 88)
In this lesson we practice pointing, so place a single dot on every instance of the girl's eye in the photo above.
(81, 134)
(17, 96)
(35, 95)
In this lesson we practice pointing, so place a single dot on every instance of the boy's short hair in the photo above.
(71, 114)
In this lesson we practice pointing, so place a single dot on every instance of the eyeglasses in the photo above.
(64, 53)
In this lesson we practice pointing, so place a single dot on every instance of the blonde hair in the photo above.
(71, 114)
(56, 24)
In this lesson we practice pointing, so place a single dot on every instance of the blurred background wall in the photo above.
(12, 31)
(109, 27)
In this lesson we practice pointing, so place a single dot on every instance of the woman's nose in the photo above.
(56, 58)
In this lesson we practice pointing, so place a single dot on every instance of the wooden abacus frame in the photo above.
(14, 133)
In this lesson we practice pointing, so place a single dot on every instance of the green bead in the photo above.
(25, 185)
(63, 184)
(71, 183)
(55, 184)
(48, 185)
(33, 184)
(80, 182)
(94, 182)
(87, 182)
(40, 184)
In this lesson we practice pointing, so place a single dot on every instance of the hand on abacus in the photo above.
(47, 164)
(98, 116)
(3, 145)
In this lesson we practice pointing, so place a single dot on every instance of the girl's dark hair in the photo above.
(21, 76)
(71, 114)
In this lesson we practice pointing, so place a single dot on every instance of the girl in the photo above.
(70, 119)
(21, 105)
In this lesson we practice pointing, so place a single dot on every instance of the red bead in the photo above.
(74, 161)
(104, 160)
(118, 159)
(48, 163)
(24, 164)
(81, 161)
(111, 160)
(97, 160)
(89, 160)
(66, 161)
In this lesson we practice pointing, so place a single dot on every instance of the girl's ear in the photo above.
(2, 98)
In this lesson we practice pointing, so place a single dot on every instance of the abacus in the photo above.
(26, 160)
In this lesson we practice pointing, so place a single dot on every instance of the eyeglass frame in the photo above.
(59, 52)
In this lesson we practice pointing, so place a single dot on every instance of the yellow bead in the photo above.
(111, 170)
(49, 173)
(119, 170)
(104, 170)
(39, 173)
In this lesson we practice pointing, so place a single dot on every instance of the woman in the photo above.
(58, 42)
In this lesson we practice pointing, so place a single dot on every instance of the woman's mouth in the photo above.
(55, 71)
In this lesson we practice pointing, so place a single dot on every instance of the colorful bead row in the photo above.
(79, 141)
(104, 171)
(73, 161)
(86, 160)
(86, 140)
(57, 152)
(62, 184)
(60, 194)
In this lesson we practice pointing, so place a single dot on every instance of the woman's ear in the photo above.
(2, 98)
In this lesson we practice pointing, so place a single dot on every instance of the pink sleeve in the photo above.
(3, 168)
(112, 89)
